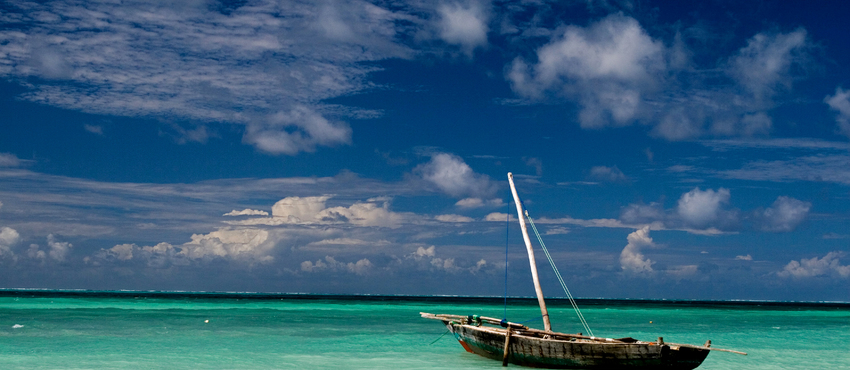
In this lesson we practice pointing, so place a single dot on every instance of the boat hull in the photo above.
(566, 354)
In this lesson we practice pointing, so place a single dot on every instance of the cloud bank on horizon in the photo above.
(725, 140)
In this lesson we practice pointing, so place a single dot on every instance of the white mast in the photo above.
(546, 324)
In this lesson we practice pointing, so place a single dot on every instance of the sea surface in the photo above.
(155, 330)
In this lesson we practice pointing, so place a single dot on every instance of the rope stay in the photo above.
(507, 240)
(558, 274)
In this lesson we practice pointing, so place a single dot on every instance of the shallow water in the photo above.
(142, 330)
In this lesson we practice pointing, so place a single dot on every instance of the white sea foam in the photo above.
(17, 326)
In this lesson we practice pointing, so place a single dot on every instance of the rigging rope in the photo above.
(558, 274)
(507, 230)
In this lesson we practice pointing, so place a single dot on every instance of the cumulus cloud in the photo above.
(464, 25)
(36, 254)
(700, 208)
(426, 259)
(236, 244)
(361, 267)
(297, 209)
(618, 74)
(121, 252)
(242, 243)
(363, 214)
(609, 174)
(708, 212)
(312, 210)
(8, 238)
(840, 102)
(58, 250)
(631, 259)
(424, 252)
(828, 265)
(246, 212)
(451, 175)
(784, 215)
(607, 67)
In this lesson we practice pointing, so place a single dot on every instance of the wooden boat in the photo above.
(518, 344)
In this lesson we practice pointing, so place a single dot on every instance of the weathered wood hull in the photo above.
(574, 354)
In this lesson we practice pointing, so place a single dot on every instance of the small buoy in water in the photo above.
(207, 321)
(650, 322)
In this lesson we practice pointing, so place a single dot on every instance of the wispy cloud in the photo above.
(265, 65)
(840, 102)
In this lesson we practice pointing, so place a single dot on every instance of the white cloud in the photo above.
(299, 130)
(784, 215)
(8, 238)
(497, 216)
(245, 243)
(363, 214)
(453, 218)
(607, 67)
(610, 174)
(642, 213)
(246, 212)
(58, 250)
(618, 74)
(763, 65)
(34, 253)
(479, 203)
(312, 210)
(236, 244)
(829, 265)
(9, 160)
(262, 64)
(704, 208)
(453, 176)
(535, 163)
(297, 209)
(361, 267)
(631, 259)
(95, 129)
(122, 252)
(424, 252)
(557, 230)
(744, 258)
(820, 168)
(464, 24)
(841, 102)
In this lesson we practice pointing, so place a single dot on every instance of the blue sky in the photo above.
(679, 151)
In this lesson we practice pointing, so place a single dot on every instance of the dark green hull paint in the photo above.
(562, 354)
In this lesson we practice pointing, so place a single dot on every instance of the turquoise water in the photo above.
(133, 331)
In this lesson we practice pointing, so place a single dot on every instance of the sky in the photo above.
(665, 150)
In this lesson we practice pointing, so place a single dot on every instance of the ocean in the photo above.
(171, 330)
